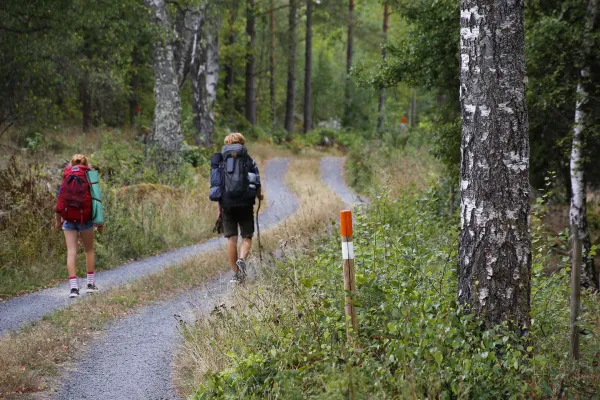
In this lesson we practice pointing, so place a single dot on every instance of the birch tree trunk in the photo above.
(386, 17)
(308, 69)
(250, 64)
(495, 245)
(205, 76)
(578, 216)
(186, 25)
(166, 137)
(291, 79)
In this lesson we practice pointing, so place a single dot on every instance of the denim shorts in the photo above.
(72, 226)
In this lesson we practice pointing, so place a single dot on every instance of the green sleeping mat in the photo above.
(97, 212)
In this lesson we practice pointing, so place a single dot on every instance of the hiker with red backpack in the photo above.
(235, 184)
(78, 210)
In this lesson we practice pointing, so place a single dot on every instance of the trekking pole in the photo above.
(258, 233)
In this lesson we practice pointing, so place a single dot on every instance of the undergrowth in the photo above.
(285, 337)
(145, 212)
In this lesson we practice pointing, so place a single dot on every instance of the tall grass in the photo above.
(141, 219)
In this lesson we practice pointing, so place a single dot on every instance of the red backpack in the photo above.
(74, 199)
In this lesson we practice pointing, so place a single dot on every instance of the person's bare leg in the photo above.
(87, 238)
(232, 251)
(71, 239)
(245, 248)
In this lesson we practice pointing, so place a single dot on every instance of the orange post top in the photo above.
(346, 222)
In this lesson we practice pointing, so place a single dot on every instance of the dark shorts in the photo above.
(72, 226)
(238, 216)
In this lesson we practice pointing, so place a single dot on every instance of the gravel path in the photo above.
(17, 311)
(133, 359)
(332, 173)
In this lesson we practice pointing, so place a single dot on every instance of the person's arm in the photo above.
(255, 171)
(57, 221)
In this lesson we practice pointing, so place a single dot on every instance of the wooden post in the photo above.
(349, 278)
(575, 296)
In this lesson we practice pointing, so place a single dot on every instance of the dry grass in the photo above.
(411, 169)
(31, 358)
(318, 206)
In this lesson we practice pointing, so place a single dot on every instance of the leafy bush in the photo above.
(286, 337)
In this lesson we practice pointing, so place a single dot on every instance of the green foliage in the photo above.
(413, 341)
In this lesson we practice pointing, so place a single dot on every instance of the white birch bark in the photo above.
(577, 214)
(166, 137)
(205, 73)
(495, 246)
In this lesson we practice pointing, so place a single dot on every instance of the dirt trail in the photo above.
(133, 359)
(332, 173)
(18, 311)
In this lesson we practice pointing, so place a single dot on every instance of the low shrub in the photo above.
(285, 337)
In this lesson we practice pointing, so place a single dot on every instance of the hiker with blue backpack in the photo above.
(235, 184)
(78, 210)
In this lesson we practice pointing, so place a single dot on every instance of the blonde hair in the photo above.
(234, 138)
(79, 159)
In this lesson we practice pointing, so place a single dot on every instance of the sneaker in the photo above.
(74, 293)
(237, 278)
(241, 264)
(91, 288)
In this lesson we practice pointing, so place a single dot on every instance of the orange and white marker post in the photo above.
(349, 278)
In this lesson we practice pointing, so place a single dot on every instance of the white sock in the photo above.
(90, 278)
(73, 282)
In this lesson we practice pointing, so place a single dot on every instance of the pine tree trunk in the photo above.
(291, 79)
(348, 118)
(272, 87)
(495, 246)
(205, 77)
(85, 97)
(250, 64)
(308, 69)
(229, 70)
(386, 17)
(578, 215)
(166, 137)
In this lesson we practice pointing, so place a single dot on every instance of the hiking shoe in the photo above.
(91, 288)
(241, 264)
(74, 293)
(237, 278)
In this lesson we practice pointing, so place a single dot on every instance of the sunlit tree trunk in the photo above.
(166, 137)
(250, 64)
(386, 17)
(291, 79)
(272, 87)
(495, 246)
(308, 69)
(578, 217)
(205, 76)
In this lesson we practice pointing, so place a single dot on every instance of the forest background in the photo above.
(80, 76)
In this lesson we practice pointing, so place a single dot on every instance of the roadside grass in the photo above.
(32, 357)
(398, 164)
(284, 336)
(137, 225)
(318, 210)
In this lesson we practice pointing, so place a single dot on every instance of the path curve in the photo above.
(18, 311)
(133, 360)
(332, 173)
